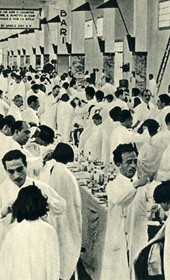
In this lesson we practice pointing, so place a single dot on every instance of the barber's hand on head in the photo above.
(141, 182)
(7, 210)
(56, 206)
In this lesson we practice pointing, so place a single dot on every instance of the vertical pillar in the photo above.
(118, 63)
(140, 25)
(78, 28)
(109, 29)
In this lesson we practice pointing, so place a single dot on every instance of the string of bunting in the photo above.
(84, 7)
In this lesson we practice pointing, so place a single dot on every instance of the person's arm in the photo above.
(6, 210)
(120, 194)
(141, 182)
(57, 204)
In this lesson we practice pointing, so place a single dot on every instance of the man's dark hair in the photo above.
(145, 91)
(153, 126)
(97, 117)
(73, 82)
(63, 77)
(164, 98)
(99, 95)
(167, 118)
(109, 98)
(56, 86)
(12, 155)
(65, 97)
(42, 87)
(32, 98)
(118, 93)
(151, 76)
(8, 120)
(35, 87)
(107, 79)
(115, 113)
(29, 78)
(135, 92)
(162, 192)
(124, 116)
(46, 134)
(121, 149)
(30, 204)
(90, 92)
(66, 85)
(18, 125)
(63, 153)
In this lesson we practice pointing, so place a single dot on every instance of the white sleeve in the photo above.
(120, 194)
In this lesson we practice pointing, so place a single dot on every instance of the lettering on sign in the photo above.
(19, 18)
(63, 25)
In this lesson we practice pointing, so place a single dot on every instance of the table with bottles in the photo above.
(92, 177)
(92, 180)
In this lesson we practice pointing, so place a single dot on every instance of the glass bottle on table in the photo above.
(82, 161)
(90, 157)
(101, 176)
(90, 162)
(111, 174)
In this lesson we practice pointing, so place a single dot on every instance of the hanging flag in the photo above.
(108, 4)
(13, 36)
(43, 21)
(24, 51)
(101, 45)
(54, 19)
(19, 52)
(131, 43)
(25, 31)
(34, 50)
(83, 8)
(30, 31)
(69, 47)
(55, 48)
(42, 50)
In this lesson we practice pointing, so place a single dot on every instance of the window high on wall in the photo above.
(164, 14)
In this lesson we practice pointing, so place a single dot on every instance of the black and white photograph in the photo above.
(84, 139)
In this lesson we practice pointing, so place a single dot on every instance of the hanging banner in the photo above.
(19, 18)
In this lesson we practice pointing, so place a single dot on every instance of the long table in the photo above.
(94, 217)
(94, 225)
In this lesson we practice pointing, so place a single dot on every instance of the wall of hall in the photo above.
(157, 40)
(113, 31)
(141, 17)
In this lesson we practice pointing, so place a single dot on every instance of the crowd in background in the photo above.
(48, 120)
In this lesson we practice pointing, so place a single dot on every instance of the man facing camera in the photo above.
(126, 230)
(15, 164)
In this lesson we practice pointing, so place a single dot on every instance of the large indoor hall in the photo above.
(84, 140)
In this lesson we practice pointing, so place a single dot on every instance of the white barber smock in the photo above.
(126, 229)
(30, 251)
(9, 192)
(70, 231)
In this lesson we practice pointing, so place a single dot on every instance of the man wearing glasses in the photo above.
(145, 110)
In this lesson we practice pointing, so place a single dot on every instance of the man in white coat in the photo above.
(59, 177)
(126, 230)
(15, 165)
(30, 114)
(16, 107)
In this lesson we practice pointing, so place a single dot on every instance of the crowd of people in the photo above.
(48, 121)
